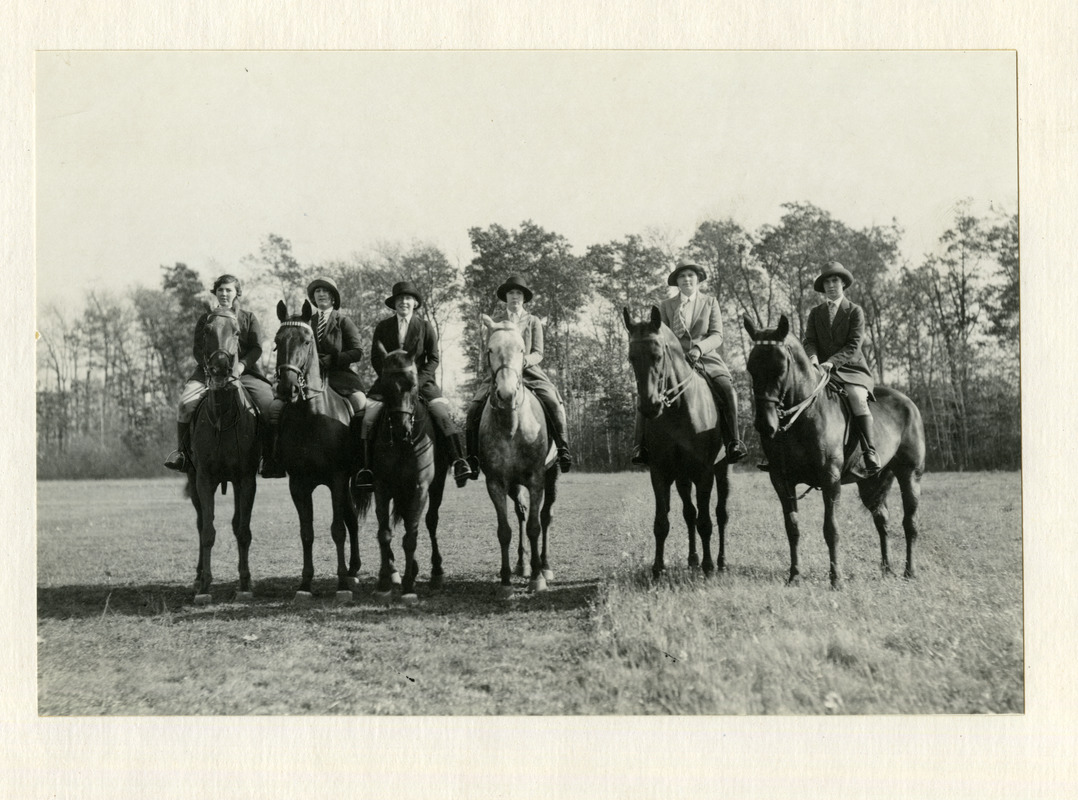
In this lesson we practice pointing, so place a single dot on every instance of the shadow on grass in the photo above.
(275, 597)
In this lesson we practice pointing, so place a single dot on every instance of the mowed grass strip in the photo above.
(949, 641)
(119, 635)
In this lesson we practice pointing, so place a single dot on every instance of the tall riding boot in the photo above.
(864, 428)
(471, 436)
(559, 431)
(461, 470)
(180, 458)
(271, 468)
(640, 451)
(726, 405)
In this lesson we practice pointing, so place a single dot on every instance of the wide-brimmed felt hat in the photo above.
(329, 286)
(514, 282)
(833, 268)
(686, 263)
(404, 287)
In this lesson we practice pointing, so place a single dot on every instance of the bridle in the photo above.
(230, 352)
(300, 370)
(669, 389)
(790, 414)
(518, 394)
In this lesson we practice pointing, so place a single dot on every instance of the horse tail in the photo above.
(362, 498)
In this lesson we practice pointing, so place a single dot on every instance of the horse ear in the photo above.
(783, 328)
(282, 311)
(488, 323)
(628, 319)
(307, 313)
(749, 327)
(656, 318)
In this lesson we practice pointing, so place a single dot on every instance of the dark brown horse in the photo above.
(801, 427)
(515, 453)
(224, 448)
(315, 446)
(683, 438)
(409, 467)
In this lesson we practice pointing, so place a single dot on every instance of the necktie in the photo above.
(323, 320)
(832, 309)
(402, 329)
(681, 322)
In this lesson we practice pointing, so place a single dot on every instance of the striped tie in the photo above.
(680, 326)
(323, 320)
(832, 309)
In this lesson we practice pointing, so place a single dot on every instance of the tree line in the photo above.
(945, 330)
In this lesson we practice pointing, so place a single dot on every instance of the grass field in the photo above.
(118, 633)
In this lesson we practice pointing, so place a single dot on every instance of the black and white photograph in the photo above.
(512, 392)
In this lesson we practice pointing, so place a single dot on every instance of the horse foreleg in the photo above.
(535, 529)
(410, 541)
(304, 503)
(434, 504)
(910, 486)
(521, 511)
(688, 511)
(338, 492)
(241, 527)
(788, 498)
(351, 523)
(197, 503)
(386, 570)
(722, 495)
(206, 536)
(505, 535)
(831, 495)
(550, 494)
(703, 520)
(661, 527)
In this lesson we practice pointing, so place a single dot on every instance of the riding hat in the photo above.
(686, 263)
(833, 268)
(514, 282)
(329, 286)
(404, 287)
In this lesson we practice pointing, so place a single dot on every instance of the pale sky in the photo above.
(146, 159)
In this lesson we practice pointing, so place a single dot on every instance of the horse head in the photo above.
(505, 357)
(220, 346)
(770, 364)
(400, 392)
(298, 372)
(653, 355)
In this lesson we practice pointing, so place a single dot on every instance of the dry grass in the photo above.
(119, 635)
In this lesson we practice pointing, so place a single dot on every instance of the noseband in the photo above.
(518, 394)
(228, 352)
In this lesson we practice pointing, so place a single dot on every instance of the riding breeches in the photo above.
(858, 397)
(258, 391)
(437, 407)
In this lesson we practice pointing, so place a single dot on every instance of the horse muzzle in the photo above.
(766, 423)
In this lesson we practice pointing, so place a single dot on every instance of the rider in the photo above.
(228, 290)
(337, 340)
(515, 293)
(413, 334)
(834, 332)
(695, 319)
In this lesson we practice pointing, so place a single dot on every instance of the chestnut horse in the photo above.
(409, 465)
(801, 427)
(516, 453)
(225, 448)
(314, 445)
(683, 438)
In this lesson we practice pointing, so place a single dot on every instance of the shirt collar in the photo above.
(689, 299)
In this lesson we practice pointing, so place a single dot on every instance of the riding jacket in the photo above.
(420, 342)
(341, 343)
(840, 342)
(704, 331)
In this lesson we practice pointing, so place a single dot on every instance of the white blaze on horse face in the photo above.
(505, 351)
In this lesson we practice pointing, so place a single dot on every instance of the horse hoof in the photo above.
(793, 580)
(244, 597)
(383, 598)
(520, 572)
(694, 560)
(537, 584)
(436, 582)
(344, 597)
(505, 593)
(395, 578)
(203, 599)
(410, 599)
(548, 574)
(303, 598)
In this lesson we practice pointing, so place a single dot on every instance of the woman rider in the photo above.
(227, 290)
(515, 293)
(695, 319)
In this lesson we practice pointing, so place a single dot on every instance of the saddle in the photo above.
(853, 458)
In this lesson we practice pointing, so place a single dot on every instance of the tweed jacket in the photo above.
(341, 344)
(420, 342)
(250, 349)
(840, 342)
(704, 331)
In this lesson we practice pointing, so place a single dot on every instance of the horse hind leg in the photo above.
(437, 490)
(244, 498)
(910, 486)
(722, 516)
(689, 513)
(874, 496)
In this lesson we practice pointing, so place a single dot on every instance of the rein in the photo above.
(789, 414)
(518, 395)
(301, 373)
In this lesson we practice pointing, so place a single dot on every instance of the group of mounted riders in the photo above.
(832, 340)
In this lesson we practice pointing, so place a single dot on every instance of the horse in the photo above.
(516, 453)
(409, 468)
(314, 445)
(801, 428)
(225, 447)
(683, 438)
